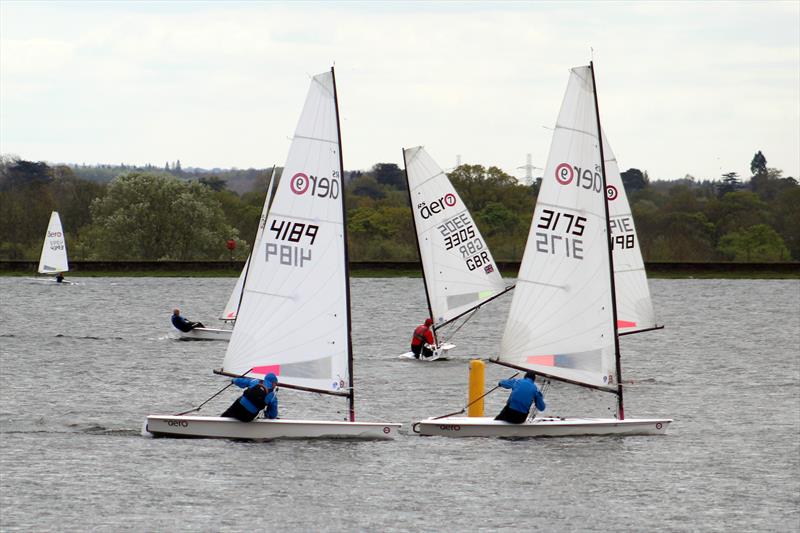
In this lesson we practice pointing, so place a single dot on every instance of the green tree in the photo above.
(144, 216)
(634, 180)
(787, 215)
(496, 219)
(730, 183)
(215, 183)
(684, 237)
(381, 234)
(736, 211)
(389, 174)
(759, 164)
(366, 185)
(756, 243)
(26, 201)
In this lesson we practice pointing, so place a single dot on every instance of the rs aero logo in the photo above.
(54, 234)
(315, 186)
(584, 178)
(427, 211)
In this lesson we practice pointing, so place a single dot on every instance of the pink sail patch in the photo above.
(625, 324)
(275, 369)
(544, 360)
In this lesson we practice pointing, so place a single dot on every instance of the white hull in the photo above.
(540, 427)
(438, 355)
(215, 427)
(51, 281)
(206, 334)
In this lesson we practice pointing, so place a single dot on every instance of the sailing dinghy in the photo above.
(53, 260)
(563, 323)
(232, 306)
(458, 270)
(294, 318)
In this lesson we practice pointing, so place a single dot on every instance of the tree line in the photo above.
(168, 213)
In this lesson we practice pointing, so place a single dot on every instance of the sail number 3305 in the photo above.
(568, 225)
(293, 233)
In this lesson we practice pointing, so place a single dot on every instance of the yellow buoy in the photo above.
(477, 370)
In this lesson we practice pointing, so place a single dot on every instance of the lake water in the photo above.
(81, 366)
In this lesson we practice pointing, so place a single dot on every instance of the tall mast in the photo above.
(609, 243)
(351, 396)
(419, 250)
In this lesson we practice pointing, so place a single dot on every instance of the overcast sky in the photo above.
(684, 88)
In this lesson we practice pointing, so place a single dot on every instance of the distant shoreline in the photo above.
(376, 269)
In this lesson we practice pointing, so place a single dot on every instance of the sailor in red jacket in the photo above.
(423, 334)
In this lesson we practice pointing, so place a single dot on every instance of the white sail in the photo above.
(54, 249)
(293, 318)
(561, 318)
(459, 269)
(229, 313)
(634, 306)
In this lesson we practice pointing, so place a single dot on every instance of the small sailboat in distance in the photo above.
(563, 323)
(235, 299)
(294, 318)
(232, 306)
(53, 260)
(458, 270)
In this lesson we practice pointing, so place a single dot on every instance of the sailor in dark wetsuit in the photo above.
(423, 334)
(257, 395)
(182, 324)
(60, 278)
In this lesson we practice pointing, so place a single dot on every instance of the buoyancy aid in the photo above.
(421, 335)
(256, 398)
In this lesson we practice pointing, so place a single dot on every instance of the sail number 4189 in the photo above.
(293, 232)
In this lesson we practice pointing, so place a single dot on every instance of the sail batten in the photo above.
(293, 319)
(459, 270)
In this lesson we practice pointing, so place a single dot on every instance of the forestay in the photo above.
(231, 308)
(460, 272)
(561, 318)
(54, 249)
(634, 306)
(293, 318)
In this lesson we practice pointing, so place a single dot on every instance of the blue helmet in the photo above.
(270, 380)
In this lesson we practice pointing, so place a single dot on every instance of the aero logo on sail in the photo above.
(321, 187)
(437, 206)
(54, 234)
(584, 178)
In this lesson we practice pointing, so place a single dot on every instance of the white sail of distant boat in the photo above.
(231, 308)
(562, 321)
(294, 318)
(459, 271)
(54, 250)
(229, 312)
(634, 306)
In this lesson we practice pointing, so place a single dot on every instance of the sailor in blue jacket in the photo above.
(182, 323)
(258, 394)
(524, 392)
